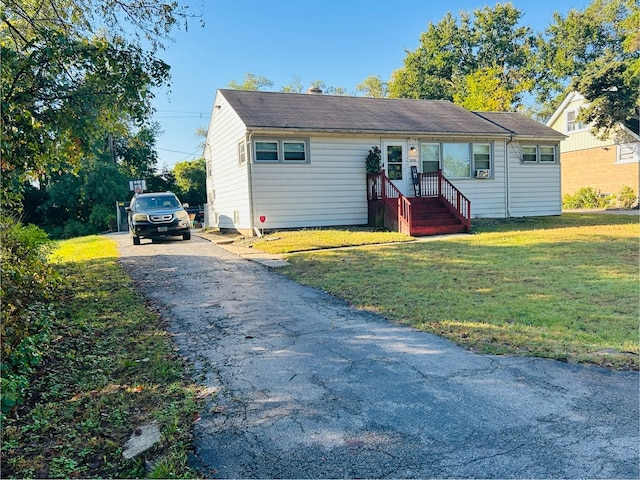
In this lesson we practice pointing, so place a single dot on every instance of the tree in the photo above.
(373, 86)
(596, 53)
(483, 90)
(455, 56)
(251, 82)
(69, 75)
(191, 179)
(294, 87)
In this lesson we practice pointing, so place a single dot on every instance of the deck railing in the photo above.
(388, 204)
(396, 208)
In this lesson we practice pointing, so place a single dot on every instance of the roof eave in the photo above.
(388, 133)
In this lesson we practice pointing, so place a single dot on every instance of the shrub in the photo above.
(374, 160)
(26, 285)
(587, 197)
(627, 197)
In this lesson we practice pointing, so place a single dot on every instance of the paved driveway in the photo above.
(308, 387)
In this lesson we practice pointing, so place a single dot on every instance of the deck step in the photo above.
(431, 216)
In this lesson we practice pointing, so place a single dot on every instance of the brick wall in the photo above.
(597, 168)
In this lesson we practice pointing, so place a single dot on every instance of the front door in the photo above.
(395, 164)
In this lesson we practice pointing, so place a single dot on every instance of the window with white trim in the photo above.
(538, 153)
(430, 157)
(281, 151)
(242, 153)
(573, 124)
(463, 160)
(266, 151)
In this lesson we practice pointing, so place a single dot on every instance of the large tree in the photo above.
(596, 52)
(70, 75)
(458, 59)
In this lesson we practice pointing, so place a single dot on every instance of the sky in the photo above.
(339, 42)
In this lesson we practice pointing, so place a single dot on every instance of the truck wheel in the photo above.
(136, 240)
(186, 236)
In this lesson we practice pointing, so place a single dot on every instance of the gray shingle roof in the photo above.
(521, 125)
(357, 114)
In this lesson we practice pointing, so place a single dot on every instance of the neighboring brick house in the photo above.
(586, 161)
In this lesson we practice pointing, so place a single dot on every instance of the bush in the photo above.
(26, 285)
(627, 197)
(587, 197)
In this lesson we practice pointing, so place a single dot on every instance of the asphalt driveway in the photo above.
(307, 387)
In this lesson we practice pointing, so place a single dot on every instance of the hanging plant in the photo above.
(374, 160)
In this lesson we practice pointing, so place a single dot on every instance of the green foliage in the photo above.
(594, 52)
(456, 55)
(251, 82)
(70, 78)
(373, 86)
(483, 90)
(587, 197)
(26, 286)
(110, 368)
(374, 160)
(627, 197)
(191, 180)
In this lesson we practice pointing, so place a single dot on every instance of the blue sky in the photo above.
(340, 42)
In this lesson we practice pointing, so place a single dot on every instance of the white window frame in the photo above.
(471, 157)
(423, 151)
(242, 152)
(280, 150)
(538, 155)
(574, 125)
(631, 152)
(256, 151)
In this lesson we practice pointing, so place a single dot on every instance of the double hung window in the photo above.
(538, 153)
(281, 151)
(573, 123)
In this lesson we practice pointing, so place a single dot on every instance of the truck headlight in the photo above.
(140, 217)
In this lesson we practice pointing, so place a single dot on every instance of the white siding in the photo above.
(534, 188)
(329, 190)
(228, 186)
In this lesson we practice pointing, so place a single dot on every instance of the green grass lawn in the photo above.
(560, 287)
(111, 367)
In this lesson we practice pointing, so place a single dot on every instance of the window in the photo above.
(266, 151)
(456, 160)
(529, 153)
(242, 153)
(294, 151)
(394, 162)
(430, 156)
(281, 151)
(573, 124)
(481, 156)
(547, 154)
(538, 153)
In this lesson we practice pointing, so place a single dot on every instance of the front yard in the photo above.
(559, 287)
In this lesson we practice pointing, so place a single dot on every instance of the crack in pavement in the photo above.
(311, 388)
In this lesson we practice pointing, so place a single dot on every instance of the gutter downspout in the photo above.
(506, 176)
(252, 209)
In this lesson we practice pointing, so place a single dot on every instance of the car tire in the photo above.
(186, 236)
(136, 240)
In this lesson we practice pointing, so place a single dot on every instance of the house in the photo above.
(587, 161)
(285, 160)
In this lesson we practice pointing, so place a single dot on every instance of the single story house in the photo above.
(286, 160)
(587, 161)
